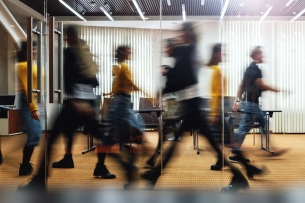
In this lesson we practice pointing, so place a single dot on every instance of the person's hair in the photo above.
(216, 49)
(22, 53)
(72, 32)
(84, 57)
(166, 67)
(255, 51)
(190, 31)
(120, 52)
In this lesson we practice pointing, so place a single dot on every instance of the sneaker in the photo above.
(25, 169)
(64, 163)
(238, 159)
(174, 139)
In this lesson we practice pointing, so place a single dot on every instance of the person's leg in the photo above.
(33, 137)
(153, 174)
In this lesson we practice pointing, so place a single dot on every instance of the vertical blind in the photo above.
(288, 68)
(103, 42)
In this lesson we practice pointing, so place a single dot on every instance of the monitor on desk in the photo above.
(7, 101)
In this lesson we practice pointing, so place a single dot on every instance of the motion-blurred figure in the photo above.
(251, 86)
(30, 111)
(126, 128)
(80, 79)
(186, 67)
(115, 72)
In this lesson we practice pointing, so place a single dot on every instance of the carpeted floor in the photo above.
(186, 171)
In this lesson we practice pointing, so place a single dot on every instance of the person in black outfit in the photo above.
(80, 79)
(186, 67)
(251, 86)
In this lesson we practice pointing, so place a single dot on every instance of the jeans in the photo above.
(33, 127)
(125, 122)
(251, 113)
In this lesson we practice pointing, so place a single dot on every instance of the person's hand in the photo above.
(83, 108)
(135, 88)
(235, 105)
(35, 115)
(213, 119)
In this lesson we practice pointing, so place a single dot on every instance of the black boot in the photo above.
(218, 166)
(132, 171)
(66, 162)
(37, 184)
(253, 170)
(152, 176)
(101, 170)
(25, 169)
(237, 183)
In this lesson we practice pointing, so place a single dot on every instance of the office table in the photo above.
(268, 114)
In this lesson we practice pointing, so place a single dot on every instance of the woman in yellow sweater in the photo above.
(121, 113)
(30, 111)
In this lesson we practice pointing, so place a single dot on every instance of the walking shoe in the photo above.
(64, 163)
(218, 166)
(238, 159)
(253, 170)
(25, 169)
(37, 184)
(174, 138)
(152, 176)
(237, 183)
(101, 170)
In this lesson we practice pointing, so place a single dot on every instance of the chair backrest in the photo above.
(149, 103)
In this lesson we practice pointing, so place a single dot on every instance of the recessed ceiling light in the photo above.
(12, 25)
(241, 4)
(294, 13)
(262, 13)
(92, 3)
(146, 18)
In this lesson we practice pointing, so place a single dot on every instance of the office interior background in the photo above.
(276, 25)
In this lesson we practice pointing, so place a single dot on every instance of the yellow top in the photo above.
(216, 90)
(21, 69)
(123, 83)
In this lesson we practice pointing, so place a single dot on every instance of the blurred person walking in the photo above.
(30, 111)
(125, 127)
(80, 79)
(251, 87)
(186, 67)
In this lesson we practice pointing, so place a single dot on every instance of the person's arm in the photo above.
(22, 75)
(216, 92)
(240, 91)
(128, 77)
(264, 87)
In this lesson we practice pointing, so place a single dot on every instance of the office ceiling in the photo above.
(122, 8)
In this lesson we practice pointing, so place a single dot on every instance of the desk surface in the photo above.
(148, 110)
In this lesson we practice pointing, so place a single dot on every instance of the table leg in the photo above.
(89, 144)
(160, 131)
(267, 137)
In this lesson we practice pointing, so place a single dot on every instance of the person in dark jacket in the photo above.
(186, 67)
(79, 80)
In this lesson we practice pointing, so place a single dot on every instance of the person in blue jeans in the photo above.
(251, 87)
(29, 111)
